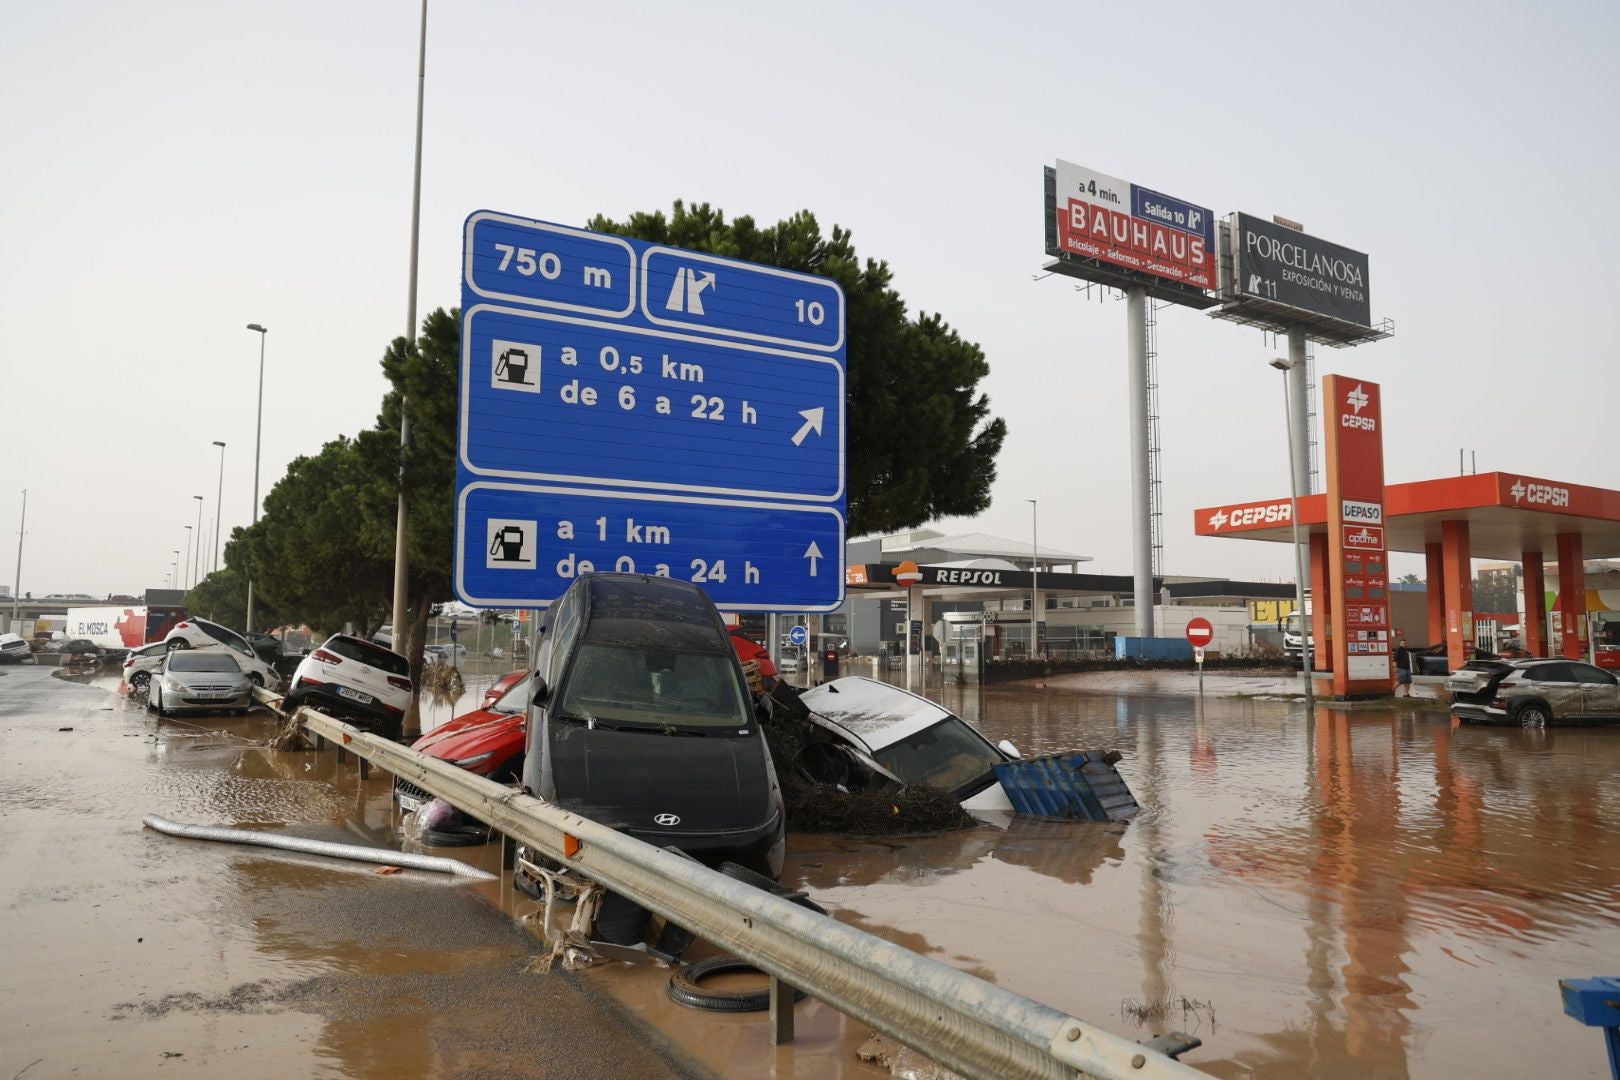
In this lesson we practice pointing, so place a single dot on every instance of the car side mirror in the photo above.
(1006, 747)
(540, 690)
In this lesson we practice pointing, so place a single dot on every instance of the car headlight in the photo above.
(474, 760)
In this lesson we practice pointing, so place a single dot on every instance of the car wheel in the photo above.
(140, 682)
(151, 701)
(1534, 715)
(178, 643)
(256, 679)
(155, 701)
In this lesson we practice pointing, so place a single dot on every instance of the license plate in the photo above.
(409, 804)
(354, 695)
(219, 694)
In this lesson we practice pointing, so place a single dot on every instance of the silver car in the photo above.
(1534, 693)
(199, 680)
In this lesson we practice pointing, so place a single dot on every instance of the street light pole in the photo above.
(1034, 579)
(258, 435)
(219, 499)
(401, 517)
(1305, 624)
(185, 567)
(174, 572)
(16, 582)
(196, 570)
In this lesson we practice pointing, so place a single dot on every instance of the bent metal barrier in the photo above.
(960, 1021)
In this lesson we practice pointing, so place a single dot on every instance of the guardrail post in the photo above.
(342, 754)
(508, 852)
(781, 1012)
(365, 768)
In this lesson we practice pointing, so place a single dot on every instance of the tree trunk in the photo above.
(417, 610)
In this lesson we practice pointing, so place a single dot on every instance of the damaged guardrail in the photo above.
(958, 1020)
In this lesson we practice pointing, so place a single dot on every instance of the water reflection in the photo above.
(1357, 895)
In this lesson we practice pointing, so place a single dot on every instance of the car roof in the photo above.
(875, 712)
(653, 612)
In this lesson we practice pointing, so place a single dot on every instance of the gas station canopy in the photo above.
(1507, 515)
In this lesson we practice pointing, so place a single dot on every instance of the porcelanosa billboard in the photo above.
(1273, 262)
(1136, 228)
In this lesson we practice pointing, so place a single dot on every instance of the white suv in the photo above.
(194, 633)
(355, 678)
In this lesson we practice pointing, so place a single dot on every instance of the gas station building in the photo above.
(1452, 521)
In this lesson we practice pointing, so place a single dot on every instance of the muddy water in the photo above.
(1367, 894)
(1364, 894)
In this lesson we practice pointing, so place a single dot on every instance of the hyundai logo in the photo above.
(667, 819)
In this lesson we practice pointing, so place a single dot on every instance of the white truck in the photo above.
(1293, 632)
(123, 626)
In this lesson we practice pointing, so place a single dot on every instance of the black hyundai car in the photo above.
(641, 720)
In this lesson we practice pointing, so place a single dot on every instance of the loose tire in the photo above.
(685, 987)
(175, 644)
(1534, 714)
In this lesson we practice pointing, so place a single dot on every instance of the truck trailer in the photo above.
(123, 626)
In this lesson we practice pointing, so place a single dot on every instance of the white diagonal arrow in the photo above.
(813, 419)
(813, 553)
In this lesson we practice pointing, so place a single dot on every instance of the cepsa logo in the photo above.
(1539, 494)
(1357, 399)
(1245, 517)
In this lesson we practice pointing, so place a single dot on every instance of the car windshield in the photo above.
(617, 684)
(366, 653)
(189, 660)
(516, 699)
(947, 755)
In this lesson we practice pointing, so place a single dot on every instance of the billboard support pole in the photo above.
(1141, 488)
(1298, 374)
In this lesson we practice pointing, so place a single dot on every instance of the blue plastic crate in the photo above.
(1081, 785)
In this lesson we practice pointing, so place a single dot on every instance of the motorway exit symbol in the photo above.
(646, 409)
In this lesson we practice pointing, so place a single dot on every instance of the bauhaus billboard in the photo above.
(1280, 265)
(1150, 235)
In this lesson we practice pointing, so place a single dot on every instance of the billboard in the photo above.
(1137, 229)
(1280, 265)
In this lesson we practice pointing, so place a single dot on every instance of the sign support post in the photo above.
(1141, 484)
(1299, 406)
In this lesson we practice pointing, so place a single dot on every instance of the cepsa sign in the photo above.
(1102, 217)
(1242, 517)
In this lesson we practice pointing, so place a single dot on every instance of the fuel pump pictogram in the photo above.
(510, 544)
(514, 365)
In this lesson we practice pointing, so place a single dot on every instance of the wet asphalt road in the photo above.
(128, 954)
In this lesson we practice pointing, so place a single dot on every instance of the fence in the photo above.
(960, 1021)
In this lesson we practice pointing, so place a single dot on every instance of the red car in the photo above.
(487, 741)
(502, 685)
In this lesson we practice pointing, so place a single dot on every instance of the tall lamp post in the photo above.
(185, 567)
(174, 572)
(219, 498)
(258, 435)
(1305, 624)
(196, 569)
(1034, 579)
(16, 582)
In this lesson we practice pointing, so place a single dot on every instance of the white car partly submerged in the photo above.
(882, 734)
(905, 738)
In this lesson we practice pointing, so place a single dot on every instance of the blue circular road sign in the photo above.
(798, 635)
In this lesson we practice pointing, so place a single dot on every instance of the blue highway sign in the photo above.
(519, 542)
(614, 390)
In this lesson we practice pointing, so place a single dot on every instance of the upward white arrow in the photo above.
(813, 553)
(813, 419)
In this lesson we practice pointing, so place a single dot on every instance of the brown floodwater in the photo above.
(1362, 894)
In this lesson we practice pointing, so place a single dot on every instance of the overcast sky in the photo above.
(173, 171)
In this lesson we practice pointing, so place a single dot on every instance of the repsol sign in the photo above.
(944, 576)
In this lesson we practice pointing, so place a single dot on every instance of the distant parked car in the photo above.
(454, 654)
(194, 633)
(1534, 693)
(354, 678)
(141, 663)
(199, 680)
(14, 650)
(1436, 659)
(66, 646)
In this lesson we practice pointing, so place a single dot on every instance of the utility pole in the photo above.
(219, 501)
(16, 582)
(401, 551)
(258, 441)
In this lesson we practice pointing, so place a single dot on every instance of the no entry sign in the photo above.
(1200, 632)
